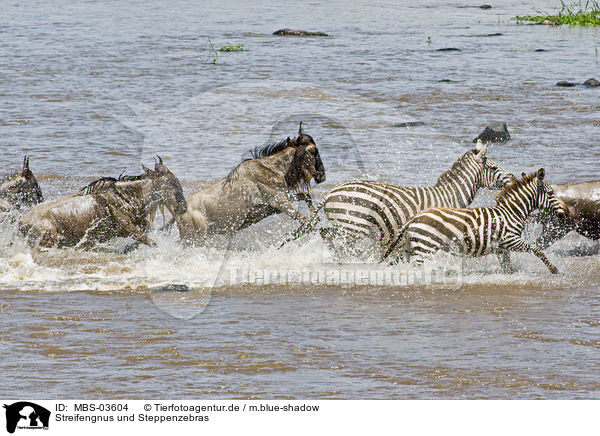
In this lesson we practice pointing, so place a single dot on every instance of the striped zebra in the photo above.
(359, 210)
(484, 230)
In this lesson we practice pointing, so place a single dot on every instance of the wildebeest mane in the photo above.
(100, 185)
(132, 178)
(259, 152)
(105, 183)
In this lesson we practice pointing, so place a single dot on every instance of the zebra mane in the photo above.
(446, 176)
(515, 185)
(100, 185)
(259, 152)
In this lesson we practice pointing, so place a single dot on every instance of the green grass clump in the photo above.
(576, 14)
(213, 56)
(229, 47)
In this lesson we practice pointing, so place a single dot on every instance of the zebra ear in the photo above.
(480, 148)
(523, 174)
(541, 174)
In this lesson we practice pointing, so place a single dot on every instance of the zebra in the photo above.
(484, 230)
(359, 210)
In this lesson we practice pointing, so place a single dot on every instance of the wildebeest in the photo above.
(584, 218)
(20, 189)
(584, 190)
(105, 209)
(583, 201)
(264, 184)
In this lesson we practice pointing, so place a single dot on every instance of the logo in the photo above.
(26, 415)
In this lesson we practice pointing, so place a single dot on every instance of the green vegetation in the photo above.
(213, 56)
(229, 47)
(429, 40)
(577, 14)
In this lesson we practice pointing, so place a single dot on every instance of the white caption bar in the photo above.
(153, 417)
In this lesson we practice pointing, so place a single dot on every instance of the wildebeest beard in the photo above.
(298, 176)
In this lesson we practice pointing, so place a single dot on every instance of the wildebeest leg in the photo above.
(167, 226)
(280, 202)
(128, 229)
(140, 238)
(303, 196)
(43, 234)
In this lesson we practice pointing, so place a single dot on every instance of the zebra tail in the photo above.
(394, 244)
(307, 227)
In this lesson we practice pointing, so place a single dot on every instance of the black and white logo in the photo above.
(26, 415)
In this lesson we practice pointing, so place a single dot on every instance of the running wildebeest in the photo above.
(106, 208)
(260, 186)
(20, 189)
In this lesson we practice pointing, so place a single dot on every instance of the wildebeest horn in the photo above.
(300, 129)
(146, 169)
(158, 165)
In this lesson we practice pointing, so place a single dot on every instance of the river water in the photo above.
(94, 89)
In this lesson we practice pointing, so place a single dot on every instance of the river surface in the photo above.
(93, 89)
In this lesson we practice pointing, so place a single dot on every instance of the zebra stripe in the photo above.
(475, 232)
(378, 210)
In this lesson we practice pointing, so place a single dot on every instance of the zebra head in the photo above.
(546, 199)
(489, 174)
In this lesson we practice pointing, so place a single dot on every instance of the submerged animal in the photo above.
(359, 210)
(294, 32)
(260, 186)
(583, 201)
(584, 190)
(584, 218)
(483, 230)
(20, 189)
(105, 209)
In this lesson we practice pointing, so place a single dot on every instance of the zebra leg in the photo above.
(507, 267)
(515, 243)
(331, 235)
(540, 254)
(328, 236)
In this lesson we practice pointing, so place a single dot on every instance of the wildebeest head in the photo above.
(307, 163)
(166, 188)
(22, 189)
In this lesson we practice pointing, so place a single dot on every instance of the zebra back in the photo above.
(378, 210)
(479, 231)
